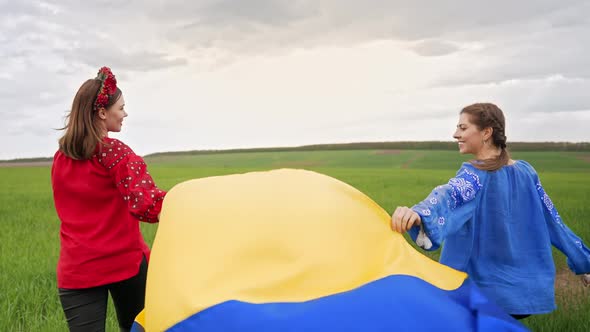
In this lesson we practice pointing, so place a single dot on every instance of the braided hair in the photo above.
(485, 115)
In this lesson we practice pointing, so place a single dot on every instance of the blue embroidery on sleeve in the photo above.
(464, 187)
(549, 204)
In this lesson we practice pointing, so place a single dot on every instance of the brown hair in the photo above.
(485, 115)
(82, 132)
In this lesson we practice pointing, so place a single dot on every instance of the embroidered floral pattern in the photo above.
(133, 181)
(474, 177)
(439, 205)
(111, 156)
(464, 188)
(548, 203)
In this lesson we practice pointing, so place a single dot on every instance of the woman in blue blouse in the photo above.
(496, 220)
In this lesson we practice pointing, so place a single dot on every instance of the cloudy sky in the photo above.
(208, 74)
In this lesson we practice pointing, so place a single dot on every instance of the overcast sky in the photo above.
(210, 74)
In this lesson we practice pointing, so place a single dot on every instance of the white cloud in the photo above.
(226, 74)
(434, 47)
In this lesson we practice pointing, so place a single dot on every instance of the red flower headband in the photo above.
(107, 88)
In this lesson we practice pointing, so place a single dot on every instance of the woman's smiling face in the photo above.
(469, 137)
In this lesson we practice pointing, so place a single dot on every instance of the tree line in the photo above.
(409, 145)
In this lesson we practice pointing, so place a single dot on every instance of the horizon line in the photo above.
(337, 146)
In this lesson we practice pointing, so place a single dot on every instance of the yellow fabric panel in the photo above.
(140, 318)
(277, 236)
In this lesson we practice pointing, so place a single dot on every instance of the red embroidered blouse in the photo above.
(100, 202)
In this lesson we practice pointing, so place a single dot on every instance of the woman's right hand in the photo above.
(586, 279)
(404, 218)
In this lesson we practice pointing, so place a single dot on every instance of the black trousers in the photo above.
(86, 309)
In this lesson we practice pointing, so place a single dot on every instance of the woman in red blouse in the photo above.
(101, 191)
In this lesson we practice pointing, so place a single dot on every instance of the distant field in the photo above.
(29, 243)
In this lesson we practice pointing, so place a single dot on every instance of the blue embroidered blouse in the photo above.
(499, 227)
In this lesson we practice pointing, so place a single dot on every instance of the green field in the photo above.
(29, 243)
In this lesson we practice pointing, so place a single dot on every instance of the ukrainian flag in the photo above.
(294, 250)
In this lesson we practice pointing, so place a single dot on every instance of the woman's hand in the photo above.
(586, 279)
(404, 218)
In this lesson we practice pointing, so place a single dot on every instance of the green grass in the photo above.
(29, 244)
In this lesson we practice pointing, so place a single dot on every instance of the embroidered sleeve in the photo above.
(578, 255)
(133, 180)
(446, 209)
